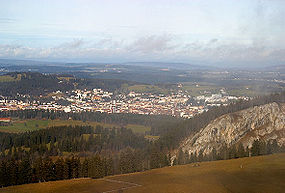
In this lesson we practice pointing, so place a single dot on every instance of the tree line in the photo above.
(33, 169)
(121, 119)
(258, 148)
(97, 152)
(56, 140)
(36, 84)
(42, 169)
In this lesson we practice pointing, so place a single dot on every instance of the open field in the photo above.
(8, 78)
(34, 124)
(66, 186)
(200, 88)
(262, 174)
(138, 128)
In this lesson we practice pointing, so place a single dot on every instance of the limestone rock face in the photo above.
(264, 122)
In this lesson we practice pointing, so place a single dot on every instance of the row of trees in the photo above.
(258, 148)
(157, 122)
(35, 84)
(14, 172)
(55, 140)
(41, 169)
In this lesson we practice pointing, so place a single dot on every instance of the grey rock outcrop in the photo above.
(264, 122)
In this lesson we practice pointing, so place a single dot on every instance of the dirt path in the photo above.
(132, 185)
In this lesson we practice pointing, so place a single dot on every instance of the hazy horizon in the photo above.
(217, 33)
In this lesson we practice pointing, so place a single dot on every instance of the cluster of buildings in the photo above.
(179, 103)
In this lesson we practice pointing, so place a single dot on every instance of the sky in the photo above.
(208, 32)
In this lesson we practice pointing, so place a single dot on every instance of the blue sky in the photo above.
(215, 32)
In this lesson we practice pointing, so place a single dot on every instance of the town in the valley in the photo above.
(179, 103)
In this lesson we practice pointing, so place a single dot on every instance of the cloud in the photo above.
(74, 44)
(156, 48)
(213, 41)
(109, 43)
(151, 44)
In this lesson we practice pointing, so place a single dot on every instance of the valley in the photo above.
(142, 96)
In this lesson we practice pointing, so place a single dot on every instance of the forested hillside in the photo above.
(35, 84)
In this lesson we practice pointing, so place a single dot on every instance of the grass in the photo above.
(196, 89)
(151, 137)
(35, 124)
(261, 174)
(7, 78)
(25, 125)
(68, 78)
(66, 186)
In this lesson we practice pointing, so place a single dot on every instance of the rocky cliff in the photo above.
(264, 122)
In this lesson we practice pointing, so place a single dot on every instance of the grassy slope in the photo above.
(262, 174)
(8, 78)
(66, 186)
(33, 124)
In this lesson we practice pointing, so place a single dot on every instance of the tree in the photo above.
(48, 169)
(255, 149)
(240, 151)
(14, 176)
(84, 168)
(25, 171)
(59, 169)
(181, 157)
(74, 167)
(95, 168)
(127, 161)
(157, 159)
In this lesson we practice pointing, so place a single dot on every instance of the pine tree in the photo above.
(255, 149)
(4, 174)
(181, 157)
(84, 168)
(59, 169)
(38, 166)
(48, 169)
(13, 169)
(95, 168)
(74, 167)
(109, 169)
(25, 171)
